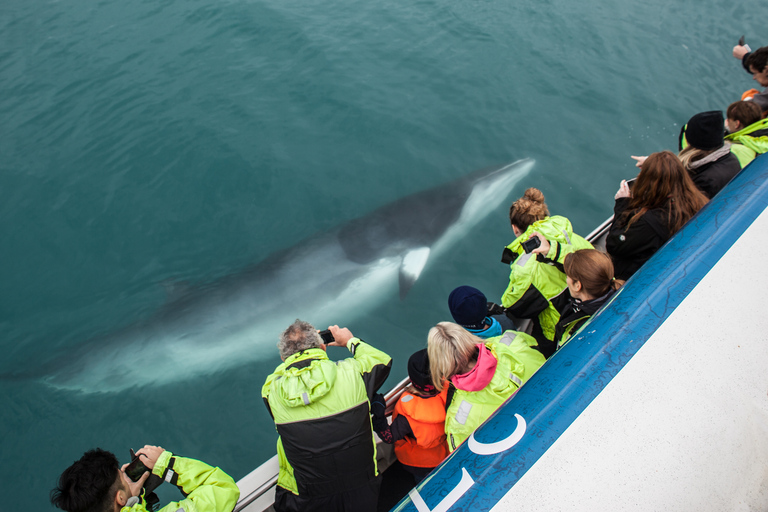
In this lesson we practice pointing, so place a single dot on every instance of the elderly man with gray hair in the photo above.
(326, 449)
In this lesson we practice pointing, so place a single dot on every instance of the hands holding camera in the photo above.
(336, 336)
(148, 457)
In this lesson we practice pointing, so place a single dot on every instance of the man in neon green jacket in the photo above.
(96, 483)
(326, 450)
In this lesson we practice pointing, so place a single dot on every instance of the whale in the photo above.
(237, 319)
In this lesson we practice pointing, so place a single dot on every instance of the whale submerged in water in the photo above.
(238, 318)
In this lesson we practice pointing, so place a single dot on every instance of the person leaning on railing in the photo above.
(482, 374)
(418, 421)
(662, 199)
(537, 288)
(591, 283)
(756, 64)
(326, 449)
(705, 154)
(747, 131)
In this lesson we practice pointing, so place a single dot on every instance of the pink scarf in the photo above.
(479, 376)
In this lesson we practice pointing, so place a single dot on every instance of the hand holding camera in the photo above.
(336, 336)
(138, 472)
(537, 244)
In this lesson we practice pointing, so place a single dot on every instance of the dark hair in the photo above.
(758, 59)
(88, 485)
(663, 182)
(593, 269)
(528, 209)
(745, 112)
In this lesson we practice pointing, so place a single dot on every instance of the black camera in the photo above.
(531, 244)
(327, 336)
(136, 468)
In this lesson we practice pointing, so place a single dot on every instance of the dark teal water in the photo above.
(143, 143)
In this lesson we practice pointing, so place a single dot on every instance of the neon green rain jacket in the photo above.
(535, 282)
(208, 489)
(747, 144)
(516, 363)
(322, 413)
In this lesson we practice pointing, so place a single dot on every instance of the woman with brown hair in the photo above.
(661, 201)
(591, 284)
(537, 288)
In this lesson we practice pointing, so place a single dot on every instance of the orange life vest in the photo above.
(426, 417)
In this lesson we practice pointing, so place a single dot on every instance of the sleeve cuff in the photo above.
(353, 343)
(162, 463)
(554, 250)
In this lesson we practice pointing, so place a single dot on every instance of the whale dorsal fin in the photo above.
(410, 268)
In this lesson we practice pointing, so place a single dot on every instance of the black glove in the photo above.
(495, 309)
(378, 405)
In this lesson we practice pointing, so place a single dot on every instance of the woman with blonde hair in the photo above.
(483, 373)
(537, 288)
(662, 199)
(589, 275)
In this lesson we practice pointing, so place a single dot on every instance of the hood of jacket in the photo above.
(481, 374)
(305, 377)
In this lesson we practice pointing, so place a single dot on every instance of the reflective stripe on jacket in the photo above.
(516, 362)
(322, 413)
(426, 417)
(535, 282)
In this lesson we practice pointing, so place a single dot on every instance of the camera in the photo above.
(327, 336)
(136, 468)
(531, 244)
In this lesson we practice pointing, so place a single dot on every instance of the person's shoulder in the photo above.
(731, 160)
(657, 220)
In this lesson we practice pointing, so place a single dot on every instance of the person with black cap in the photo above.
(705, 154)
(418, 421)
(471, 310)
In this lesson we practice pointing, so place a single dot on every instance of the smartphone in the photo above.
(741, 43)
(327, 336)
(136, 468)
(531, 244)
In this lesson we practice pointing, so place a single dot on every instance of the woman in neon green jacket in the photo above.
(537, 287)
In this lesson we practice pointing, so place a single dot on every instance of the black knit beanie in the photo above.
(706, 130)
(468, 307)
(418, 371)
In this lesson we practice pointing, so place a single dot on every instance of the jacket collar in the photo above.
(304, 358)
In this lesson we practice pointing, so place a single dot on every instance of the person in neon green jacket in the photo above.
(97, 483)
(537, 287)
(483, 374)
(748, 132)
(326, 449)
